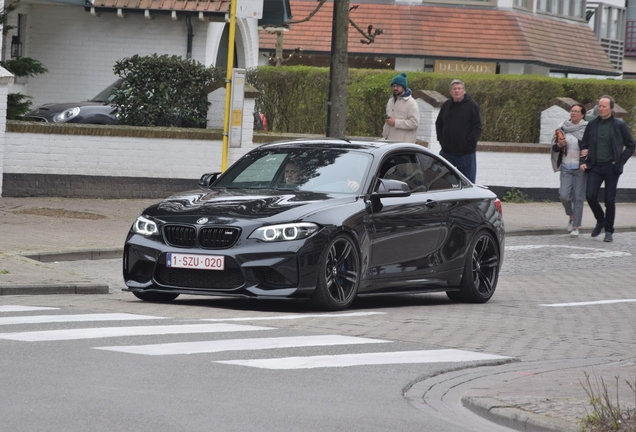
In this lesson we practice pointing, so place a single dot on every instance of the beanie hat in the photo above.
(400, 80)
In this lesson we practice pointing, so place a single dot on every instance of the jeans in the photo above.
(572, 193)
(466, 164)
(595, 177)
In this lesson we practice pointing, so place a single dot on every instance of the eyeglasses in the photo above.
(575, 111)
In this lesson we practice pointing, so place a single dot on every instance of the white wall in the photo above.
(27, 153)
(551, 118)
(5, 79)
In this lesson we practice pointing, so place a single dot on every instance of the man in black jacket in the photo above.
(606, 146)
(458, 127)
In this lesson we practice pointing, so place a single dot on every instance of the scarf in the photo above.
(575, 129)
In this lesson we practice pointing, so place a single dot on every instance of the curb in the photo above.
(76, 255)
(511, 415)
(39, 289)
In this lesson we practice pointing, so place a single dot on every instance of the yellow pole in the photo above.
(228, 85)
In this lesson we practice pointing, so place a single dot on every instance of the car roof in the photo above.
(369, 145)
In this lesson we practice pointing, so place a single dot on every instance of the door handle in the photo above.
(430, 203)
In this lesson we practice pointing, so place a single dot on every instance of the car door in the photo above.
(403, 232)
(458, 211)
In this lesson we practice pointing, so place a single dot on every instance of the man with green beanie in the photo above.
(402, 113)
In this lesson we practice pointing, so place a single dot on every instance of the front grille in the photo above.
(202, 279)
(180, 235)
(218, 238)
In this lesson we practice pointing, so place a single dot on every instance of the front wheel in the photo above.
(481, 271)
(155, 296)
(339, 275)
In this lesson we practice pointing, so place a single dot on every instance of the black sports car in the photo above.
(97, 110)
(324, 220)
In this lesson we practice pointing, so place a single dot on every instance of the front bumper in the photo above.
(252, 269)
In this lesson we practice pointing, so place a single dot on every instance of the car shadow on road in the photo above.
(305, 307)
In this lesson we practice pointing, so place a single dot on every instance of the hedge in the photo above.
(294, 99)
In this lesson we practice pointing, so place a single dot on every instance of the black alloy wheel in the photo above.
(481, 271)
(339, 275)
(155, 296)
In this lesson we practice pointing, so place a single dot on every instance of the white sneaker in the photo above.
(574, 232)
(570, 225)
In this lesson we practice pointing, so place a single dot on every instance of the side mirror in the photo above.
(391, 189)
(208, 179)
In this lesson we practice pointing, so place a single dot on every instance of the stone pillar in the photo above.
(6, 78)
(429, 103)
(556, 112)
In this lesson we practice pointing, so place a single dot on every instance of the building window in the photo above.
(523, 4)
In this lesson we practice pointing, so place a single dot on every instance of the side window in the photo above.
(437, 175)
(404, 167)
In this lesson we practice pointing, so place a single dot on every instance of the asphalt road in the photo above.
(553, 303)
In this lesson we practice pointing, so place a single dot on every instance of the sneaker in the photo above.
(574, 232)
(608, 237)
(570, 225)
(597, 230)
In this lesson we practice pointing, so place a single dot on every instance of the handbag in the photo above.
(557, 157)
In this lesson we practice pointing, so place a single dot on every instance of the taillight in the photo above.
(498, 206)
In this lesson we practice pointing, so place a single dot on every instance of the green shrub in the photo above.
(163, 91)
(17, 103)
(516, 196)
(294, 99)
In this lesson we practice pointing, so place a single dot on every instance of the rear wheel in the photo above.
(481, 271)
(339, 275)
(155, 296)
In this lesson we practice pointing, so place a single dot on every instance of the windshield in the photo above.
(106, 95)
(300, 169)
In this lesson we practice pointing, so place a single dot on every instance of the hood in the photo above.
(49, 110)
(464, 100)
(227, 206)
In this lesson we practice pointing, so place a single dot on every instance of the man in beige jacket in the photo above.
(402, 113)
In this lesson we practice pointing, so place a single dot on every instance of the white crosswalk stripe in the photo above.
(106, 332)
(17, 308)
(226, 345)
(41, 319)
(241, 345)
(381, 358)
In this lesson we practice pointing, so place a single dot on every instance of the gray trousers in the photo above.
(572, 193)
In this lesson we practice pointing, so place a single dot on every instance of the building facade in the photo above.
(568, 38)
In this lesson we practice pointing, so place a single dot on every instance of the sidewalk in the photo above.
(37, 231)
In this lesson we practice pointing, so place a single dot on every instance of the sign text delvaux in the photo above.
(450, 66)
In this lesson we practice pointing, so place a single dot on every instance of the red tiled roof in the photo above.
(460, 33)
(219, 6)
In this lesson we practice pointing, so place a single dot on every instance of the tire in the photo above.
(481, 271)
(338, 275)
(155, 296)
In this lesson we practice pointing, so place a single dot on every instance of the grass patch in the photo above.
(607, 414)
(514, 195)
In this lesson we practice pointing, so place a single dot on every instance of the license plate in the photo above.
(202, 262)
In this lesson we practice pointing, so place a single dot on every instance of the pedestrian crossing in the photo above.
(268, 339)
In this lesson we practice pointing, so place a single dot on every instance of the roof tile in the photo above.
(450, 32)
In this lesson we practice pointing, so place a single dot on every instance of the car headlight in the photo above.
(66, 115)
(145, 227)
(285, 232)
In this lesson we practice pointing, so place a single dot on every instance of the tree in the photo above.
(338, 67)
(17, 103)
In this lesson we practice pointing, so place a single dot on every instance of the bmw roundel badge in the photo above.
(202, 221)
